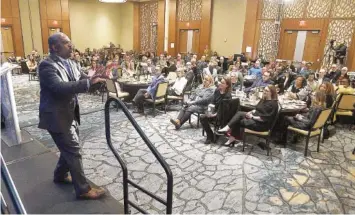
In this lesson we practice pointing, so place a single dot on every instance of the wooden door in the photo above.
(196, 41)
(7, 41)
(53, 31)
(183, 41)
(311, 48)
(288, 45)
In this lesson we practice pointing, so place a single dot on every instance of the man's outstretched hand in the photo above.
(95, 80)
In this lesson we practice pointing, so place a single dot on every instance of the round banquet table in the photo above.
(289, 108)
(132, 87)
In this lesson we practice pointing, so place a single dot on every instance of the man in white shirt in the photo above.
(179, 85)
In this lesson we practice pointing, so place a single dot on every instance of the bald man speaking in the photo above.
(60, 82)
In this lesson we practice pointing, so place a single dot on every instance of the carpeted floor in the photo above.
(207, 178)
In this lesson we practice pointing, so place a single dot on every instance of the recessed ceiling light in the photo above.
(113, 1)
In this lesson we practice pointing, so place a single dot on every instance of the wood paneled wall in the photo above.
(161, 26)
(172, 27)
(54, 14)
(10, 16)
(250, 26)
(204, 25)
(254, 18)
(311, 24)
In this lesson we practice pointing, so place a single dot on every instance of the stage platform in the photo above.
(31, 167)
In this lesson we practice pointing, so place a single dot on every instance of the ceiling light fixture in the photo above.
(113, 1)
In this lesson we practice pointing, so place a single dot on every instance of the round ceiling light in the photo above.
(113, 1)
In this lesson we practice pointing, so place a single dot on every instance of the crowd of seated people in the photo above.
(212, 78)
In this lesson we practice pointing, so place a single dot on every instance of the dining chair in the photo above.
(263, 134)
(114, 90)
(316, 129)
(160, 96)
(345, 106)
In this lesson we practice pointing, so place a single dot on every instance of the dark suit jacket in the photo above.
(281, 82)
(58, 108)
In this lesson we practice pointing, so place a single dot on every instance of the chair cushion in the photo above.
(120, 94)
(344, 113)
(174, 97)
(261, 133)
(158, 101)
(304, 132)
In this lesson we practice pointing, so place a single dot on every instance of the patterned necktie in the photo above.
(69, 70)
(71, 76)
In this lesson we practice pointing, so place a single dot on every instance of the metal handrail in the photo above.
(169, 201)
(9, 183)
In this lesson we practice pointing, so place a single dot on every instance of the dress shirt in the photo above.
(70, 70)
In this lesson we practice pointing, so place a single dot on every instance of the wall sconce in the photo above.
(302, 23)
(3, 20)
(188, 24)
(55, 22)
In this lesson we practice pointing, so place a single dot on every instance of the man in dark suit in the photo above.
(60, 82)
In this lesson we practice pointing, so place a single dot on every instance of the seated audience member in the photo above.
(150, 67)
(311, 82)
(255, 70)
(179, 61)
(305, 69)
(284, 81)
(163, 64)
(190, 74)
(344, 87)
(128, 66)
(259, 119)
(148, 93)
(297, 90)
(31, 64)
(12, 58)
(329, 92)
(289, 65)
(172, 66)
(237, 79)
(276, 74)
(201, 64)
(321, 76)
(223, 63)
(222, 92)
(343, 75)
(109, 69)
(77, 59)
(179, 84)
(263, 82)
(97, 70)
(333, 74)
(305, 121)
(93, 69)
(198, 102)
(210, 70)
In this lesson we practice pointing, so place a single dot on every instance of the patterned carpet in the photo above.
(207, 178)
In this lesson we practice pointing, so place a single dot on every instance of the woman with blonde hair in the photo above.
(223, 92)
(197, 103)
(329, 91)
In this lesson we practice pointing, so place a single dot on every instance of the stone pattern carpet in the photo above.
(207, 178)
